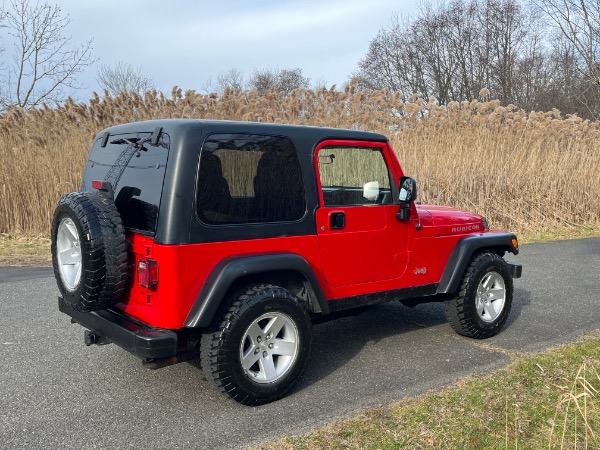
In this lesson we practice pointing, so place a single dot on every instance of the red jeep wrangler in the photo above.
(231, 238)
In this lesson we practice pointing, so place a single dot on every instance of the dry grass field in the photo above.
(528, 172)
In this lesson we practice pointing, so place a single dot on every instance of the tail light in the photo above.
(147, 273)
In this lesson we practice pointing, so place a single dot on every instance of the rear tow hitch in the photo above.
(93, 337)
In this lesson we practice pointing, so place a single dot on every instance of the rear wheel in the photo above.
(483, 303)
(260, 347)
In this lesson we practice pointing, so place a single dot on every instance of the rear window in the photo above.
(136, 175)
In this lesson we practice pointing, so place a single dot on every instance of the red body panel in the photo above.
(183, 268)
(374, 252)
(449, 221)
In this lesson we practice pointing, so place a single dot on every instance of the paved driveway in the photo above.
(57, 393)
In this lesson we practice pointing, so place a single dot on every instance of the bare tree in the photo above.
(578, 21)
(262, 80)
(434, 34)
(563, 81)
(290, 79)
(122, 76)
(232, 79)
(394, 60)
(452, 51)
(45, 64)
(284, 80)
(507, 28)
(2, 18)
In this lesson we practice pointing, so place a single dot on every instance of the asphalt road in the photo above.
(57, 393)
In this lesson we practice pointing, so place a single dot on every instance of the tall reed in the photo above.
(524, 171)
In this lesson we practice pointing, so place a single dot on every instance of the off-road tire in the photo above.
(103, 250)
(220, 349)
(462, 310)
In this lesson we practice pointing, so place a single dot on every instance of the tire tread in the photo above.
(104, 274)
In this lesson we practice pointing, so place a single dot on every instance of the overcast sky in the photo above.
(187, 42)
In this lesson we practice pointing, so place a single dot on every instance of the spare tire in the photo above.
(89, 251)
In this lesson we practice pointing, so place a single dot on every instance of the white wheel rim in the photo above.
(491, 297)
(68, 253)
(269, 347)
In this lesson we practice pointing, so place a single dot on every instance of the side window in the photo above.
(354, 176)
(246, 178)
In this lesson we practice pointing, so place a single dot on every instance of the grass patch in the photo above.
(550, 400)
(24, 250)
(569, 232)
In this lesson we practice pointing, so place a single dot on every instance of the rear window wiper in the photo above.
(134, 143)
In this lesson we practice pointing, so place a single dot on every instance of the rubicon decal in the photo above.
(466, 228)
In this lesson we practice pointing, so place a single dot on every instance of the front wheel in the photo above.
(483, 303)
(260, 347)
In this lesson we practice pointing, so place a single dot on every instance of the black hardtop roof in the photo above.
(175, 126)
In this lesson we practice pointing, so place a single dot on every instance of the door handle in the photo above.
(337, 220)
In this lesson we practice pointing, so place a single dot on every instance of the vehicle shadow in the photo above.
(338, 342)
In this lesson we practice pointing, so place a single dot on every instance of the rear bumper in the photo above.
(143, 341)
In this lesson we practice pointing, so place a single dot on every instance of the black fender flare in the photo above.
(463, 252)
(228, 271)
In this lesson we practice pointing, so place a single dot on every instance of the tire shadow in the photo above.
(521, 300)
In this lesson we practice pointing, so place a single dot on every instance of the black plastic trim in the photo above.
(155, 138)
(516, 269)
(414, 292)
(463, 252)
(143, 341)
(104, 139)
(230, 270)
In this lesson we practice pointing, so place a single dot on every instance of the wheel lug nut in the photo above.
(271, 345)
(256, 351)
(268, 336)
(265, 354)
(259, 339)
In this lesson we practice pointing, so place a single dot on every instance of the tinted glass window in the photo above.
(136, 176)
(249, 179)
(354, 176)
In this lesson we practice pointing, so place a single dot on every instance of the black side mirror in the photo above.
(408, 194)
(408, 190)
